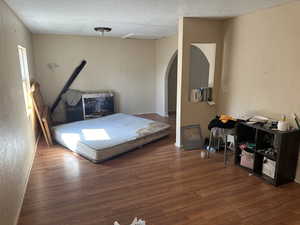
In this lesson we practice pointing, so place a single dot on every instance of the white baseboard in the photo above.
(27, 177)
(163, 114)
(144, 113)
(178, 145)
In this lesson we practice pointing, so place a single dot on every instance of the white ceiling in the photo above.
(143, 18)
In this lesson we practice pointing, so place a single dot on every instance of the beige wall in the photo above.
(261, 63)
(195, 30)
(125, 66)
(166, 50)
(16, 134)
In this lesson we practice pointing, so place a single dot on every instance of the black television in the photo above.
(97, 104)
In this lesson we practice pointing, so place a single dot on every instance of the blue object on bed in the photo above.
(105, 137)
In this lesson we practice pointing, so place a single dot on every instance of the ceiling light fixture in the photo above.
(102, 30)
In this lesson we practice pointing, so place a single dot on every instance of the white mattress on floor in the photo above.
(105, 137)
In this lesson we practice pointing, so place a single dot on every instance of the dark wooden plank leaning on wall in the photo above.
(68, 83)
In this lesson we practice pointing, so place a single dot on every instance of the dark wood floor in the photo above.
(159, 183)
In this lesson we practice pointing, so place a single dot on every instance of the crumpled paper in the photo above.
(134, 222)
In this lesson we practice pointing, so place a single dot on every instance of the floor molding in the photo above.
(27, 177)
(145, 113)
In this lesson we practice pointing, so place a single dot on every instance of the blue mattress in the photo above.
(105, 137)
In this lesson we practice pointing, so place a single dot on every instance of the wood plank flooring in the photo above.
(160, 183)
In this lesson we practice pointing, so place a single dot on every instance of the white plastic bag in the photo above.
(134, 222)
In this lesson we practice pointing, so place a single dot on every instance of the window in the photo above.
(25, 78)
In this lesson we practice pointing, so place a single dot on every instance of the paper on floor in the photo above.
(134, 222)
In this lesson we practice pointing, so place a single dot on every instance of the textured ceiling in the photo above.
(142, 18)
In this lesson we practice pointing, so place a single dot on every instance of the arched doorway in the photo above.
(171, 86)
